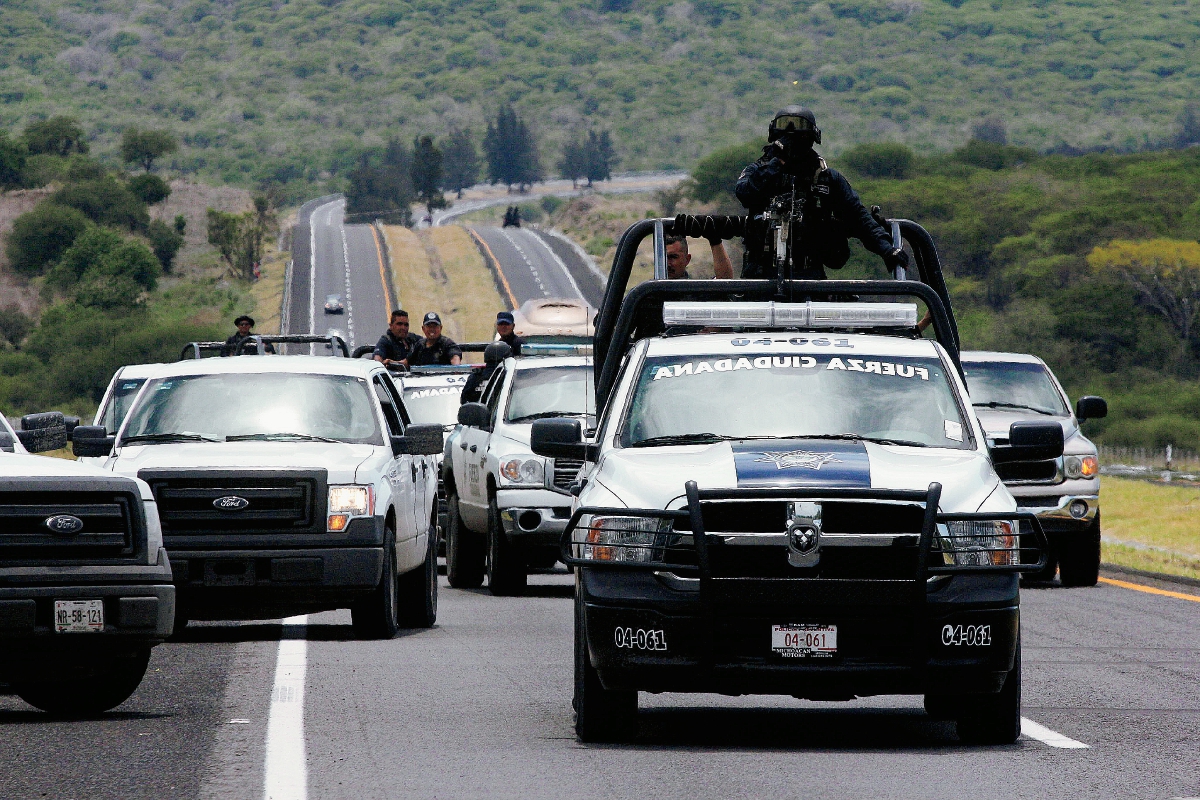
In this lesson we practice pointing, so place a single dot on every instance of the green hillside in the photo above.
(289, 90)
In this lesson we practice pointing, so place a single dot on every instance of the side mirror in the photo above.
(42, 432)
(91, 441)
(561, 438)
(1030, 441)
(474, 415)
(1090, 407)
(7, 443)
(419, 440)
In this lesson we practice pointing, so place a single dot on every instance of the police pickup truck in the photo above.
(285, 484)
(789, 495)
(1063, 492)
(507, 507)
(85, 585)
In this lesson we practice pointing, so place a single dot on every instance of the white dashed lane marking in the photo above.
(532, 268)
(286, 763)
(1046, 736)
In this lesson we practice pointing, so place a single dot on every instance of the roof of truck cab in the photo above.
(254, 364)
(781, 342)
(986, 356)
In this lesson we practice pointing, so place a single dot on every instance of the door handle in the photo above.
(474, 448)
(462, 445)
(414, 471)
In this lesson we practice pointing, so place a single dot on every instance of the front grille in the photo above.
(286, 502)
(565, 470)
(1040, 471)
(1038, 502)
(107, 522)
(770, 516)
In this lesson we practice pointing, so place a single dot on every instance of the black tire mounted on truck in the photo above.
(601, 715)
(993, 718)
(464, 550)
(80, 693)
(418, 588)
(1079, 556)
(374, 616)
(506, 571)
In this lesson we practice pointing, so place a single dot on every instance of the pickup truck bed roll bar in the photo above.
(195, 349)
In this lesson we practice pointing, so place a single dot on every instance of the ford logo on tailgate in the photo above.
(64, 524)
(231, 502)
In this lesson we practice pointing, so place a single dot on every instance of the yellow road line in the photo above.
(507, 289)
(1137, 587)
(387, 296)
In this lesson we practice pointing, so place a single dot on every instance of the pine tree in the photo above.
(460, 161)
(511, 151)
(382, 189)
(600, 156)
(574, 163)
(426, 173)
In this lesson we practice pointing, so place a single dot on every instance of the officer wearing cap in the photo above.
(493, 356)
(244, 323)
(505, 332)
(436, 349)
(830, 207)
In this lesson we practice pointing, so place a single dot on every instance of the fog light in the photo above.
(338, 522)
(1079, 509)
(529, 520)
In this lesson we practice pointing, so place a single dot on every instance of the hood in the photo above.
(20, 465)
(341, 460)
(653, 477)
(995, 421)
(518, 433)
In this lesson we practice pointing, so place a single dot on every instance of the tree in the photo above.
(600, 156)
(144, 147)
(239, 237)
(574, 162)
(15, 324)
(460, 161)
(102, 269)
(991, 130)
(426, 173)
(511, 151)
(165, 241)
(150, 189)
(1189, 126)
(12, 161)
(1166, 276)
(105, 202)
(382, 189)
(57, 136)
(880, 160)
(716, 174)
(40, 236)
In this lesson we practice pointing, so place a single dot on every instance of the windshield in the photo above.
(433, 404)
(906, 400)
(257, 405)
(551, 391)
(1015, 386)
(123, 394)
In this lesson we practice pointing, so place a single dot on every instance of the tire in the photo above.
(994, 718)
(1079, 560)
(418, 589)
(374, 616)
(465, 554)
(941, 706)
(108, 683)
(506, 571)
(601, 715)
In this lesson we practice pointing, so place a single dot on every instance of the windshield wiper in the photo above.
(854, 437)
(1021, 406)
(279, 437)
(548, 414)
(169, 437)
(682, 438)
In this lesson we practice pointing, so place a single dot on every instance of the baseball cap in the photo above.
(505, 316)
(432, 319)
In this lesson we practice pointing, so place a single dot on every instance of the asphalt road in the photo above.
(535, 265)
(479, 706)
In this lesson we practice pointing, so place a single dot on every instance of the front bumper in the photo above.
(533, 517)
(1062, 513)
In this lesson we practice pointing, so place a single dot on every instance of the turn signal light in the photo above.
(338, 522)
(1089, 467)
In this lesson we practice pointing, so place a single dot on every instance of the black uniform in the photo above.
(513, 341)
(443, 350)
(831, 208)
(230, 348)
(472, 391)
(392, 349)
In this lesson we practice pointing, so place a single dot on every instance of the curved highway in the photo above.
(533, 265)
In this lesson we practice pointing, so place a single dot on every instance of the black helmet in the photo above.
(496, 352)
(794, 119)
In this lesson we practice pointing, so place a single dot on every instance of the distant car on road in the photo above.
(333, 304)
(1064, 492)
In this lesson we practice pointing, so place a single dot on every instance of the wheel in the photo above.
(601, 715)
(1079, 559)
(993, 718)
(418, 589)
(542, 557)
(374, 617)
(505, 565)
(464, 549)
(941, 706)
(79, 693)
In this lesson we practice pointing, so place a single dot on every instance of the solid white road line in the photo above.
(286, 763)
(1046, 736)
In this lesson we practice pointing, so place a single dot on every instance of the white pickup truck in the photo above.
(285, 484)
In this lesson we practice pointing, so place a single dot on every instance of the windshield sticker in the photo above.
(801, 462)
(417, 394)
(954, 430)
(881, 368)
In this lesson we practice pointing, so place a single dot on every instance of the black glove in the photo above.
(896, 258)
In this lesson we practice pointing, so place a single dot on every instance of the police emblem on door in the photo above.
(804, 534)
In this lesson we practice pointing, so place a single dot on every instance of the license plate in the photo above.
(804, 641)
(78, 616)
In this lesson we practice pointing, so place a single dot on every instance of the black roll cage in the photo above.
(256, 340)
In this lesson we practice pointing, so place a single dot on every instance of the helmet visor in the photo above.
(793, 122)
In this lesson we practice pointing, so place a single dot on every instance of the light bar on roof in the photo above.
(792, 315)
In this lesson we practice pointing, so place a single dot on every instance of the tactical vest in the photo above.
(819, 241)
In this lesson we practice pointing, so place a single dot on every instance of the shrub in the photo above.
(717, 173)
(100, 255)
(15, 324)
(165, 241)
(885, 160)
(58, 136)
(13, 154)
(150, 189)
(40, 236)
(989, 155)
(105, 202)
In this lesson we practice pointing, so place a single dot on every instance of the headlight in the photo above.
(524, 470)
(346, 502)
(623, 538)
(1089, 467)
(1080, 466)
(970, 543)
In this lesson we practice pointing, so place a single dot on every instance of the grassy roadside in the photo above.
(1160, 523)
(267, 291)
(440, 269)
